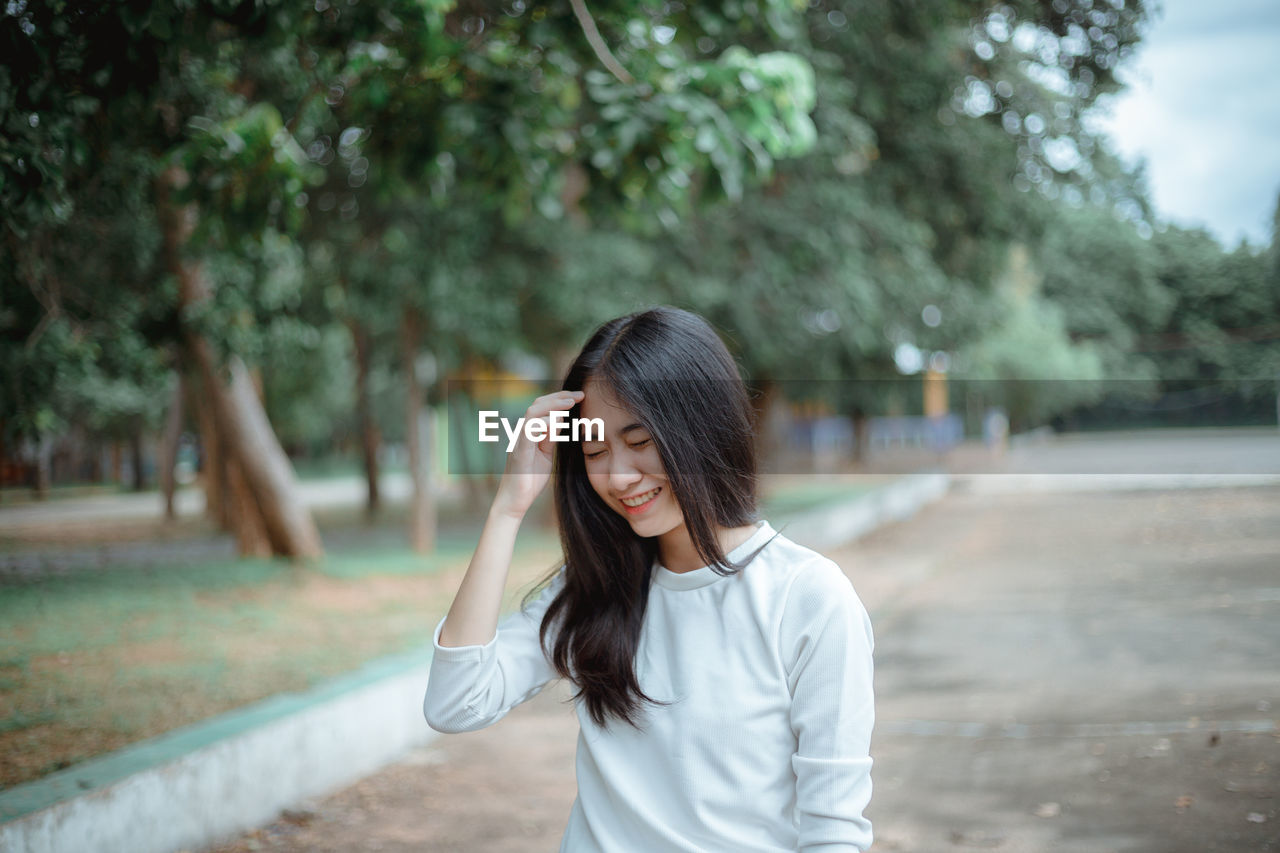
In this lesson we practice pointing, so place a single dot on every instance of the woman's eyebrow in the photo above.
(629, 428)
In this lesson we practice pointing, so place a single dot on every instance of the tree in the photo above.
(1221, 326)
(522, 121)
(246, 119)
(1104, 276)
(910, 197)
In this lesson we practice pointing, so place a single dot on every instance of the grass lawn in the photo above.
(91, 660)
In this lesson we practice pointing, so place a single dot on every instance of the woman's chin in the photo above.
(657, 525)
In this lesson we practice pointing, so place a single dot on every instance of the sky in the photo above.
(1203, 109)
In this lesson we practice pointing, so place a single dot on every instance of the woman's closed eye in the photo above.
(596, 454)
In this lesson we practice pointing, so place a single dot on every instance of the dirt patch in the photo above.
(507, 788)
(91, 531)
(155, 653)
(27, 753)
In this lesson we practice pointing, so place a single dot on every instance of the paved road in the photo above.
(1070, 672)
(1206, 452)
(1085, 673)
(188, 503)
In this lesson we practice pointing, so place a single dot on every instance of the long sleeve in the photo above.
(470, 687)
(827, 645)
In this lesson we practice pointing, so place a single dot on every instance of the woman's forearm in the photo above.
(473, 617)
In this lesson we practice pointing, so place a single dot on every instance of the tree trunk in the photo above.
(95, 459)
(213, 473)
(419, 437)
(256, 453)
(247, 520)
(169, 446)
(136, 452)
(117, 463)
(369, 437)
(861, 437)
(237, 410)
(44, 467)
(460, 455)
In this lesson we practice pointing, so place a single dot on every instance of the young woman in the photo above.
(723, 672)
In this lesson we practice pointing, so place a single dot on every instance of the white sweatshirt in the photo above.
(765, 745)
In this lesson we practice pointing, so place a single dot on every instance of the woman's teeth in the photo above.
(642, 499)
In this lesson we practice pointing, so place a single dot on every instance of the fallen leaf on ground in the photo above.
(1048, 810)
(976, 838)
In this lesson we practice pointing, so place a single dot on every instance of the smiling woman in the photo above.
(625, 469)
(723, 672)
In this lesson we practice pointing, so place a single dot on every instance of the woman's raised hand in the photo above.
(473, 616)
(529, 463)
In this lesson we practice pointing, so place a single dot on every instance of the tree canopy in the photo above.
(828, 182)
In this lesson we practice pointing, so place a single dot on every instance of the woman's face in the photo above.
(625, 469)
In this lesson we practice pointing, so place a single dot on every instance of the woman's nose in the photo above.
(623, 475)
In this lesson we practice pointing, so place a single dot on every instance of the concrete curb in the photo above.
(836, 524)
(224, 776)
(1015, 484)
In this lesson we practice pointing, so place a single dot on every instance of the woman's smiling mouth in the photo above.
(639, 503)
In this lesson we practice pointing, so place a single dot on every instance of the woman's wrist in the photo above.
(504, 510)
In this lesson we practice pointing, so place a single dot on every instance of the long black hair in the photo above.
(671, 371)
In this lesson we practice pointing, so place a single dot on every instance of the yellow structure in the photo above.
(935, 394)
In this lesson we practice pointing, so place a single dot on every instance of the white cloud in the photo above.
(1203, 108)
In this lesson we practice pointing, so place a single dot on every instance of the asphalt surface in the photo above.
(1056, 671)
(1084, 672)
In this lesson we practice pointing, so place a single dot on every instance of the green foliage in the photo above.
(75, 348)
(52, 358)
(1224, 321)
(1027, 363)
(305, 133)
(248, 168)
(309, 409)
(1104, 277)
(808, 175)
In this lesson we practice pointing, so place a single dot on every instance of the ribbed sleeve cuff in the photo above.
(461, 654)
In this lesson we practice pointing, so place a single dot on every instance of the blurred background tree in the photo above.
(225, 117)
(313, 215)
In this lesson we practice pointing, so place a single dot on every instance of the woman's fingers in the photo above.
(539, 411)
(529, 462)
(541, 408)
(548, 403)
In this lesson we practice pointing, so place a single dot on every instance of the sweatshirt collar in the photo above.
(704, 576)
